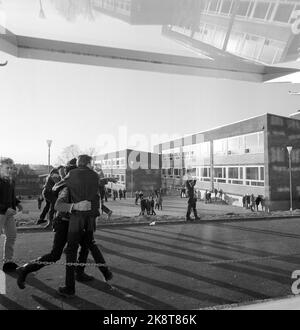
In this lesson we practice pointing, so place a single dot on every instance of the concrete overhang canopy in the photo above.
(67, 52)
(167, 36)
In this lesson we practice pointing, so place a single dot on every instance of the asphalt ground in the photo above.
(172, 267)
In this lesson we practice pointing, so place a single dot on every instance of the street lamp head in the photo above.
(289, 149)
(49, 142)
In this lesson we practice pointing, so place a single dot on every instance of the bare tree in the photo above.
(72, 151)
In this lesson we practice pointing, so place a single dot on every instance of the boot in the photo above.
(108, 275)
(66, 292)
(81, 276)
(23, 271)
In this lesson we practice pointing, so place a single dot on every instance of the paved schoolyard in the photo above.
(178, 266)
(173, 208)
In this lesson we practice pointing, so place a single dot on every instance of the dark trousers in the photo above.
(191, 207)
(59, 242)
(49, 207)
(81, 229)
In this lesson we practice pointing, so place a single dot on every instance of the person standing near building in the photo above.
(83, 185)
(248, 201)
(158, 202)
(120, 193)
(103, 193)
(136, 197)
(192, 201)
(8, 205)
(152, 205)
(252, 203)
(124, 193)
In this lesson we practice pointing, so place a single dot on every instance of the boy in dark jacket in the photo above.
(8, 205)
(50, 198)
(61, 227)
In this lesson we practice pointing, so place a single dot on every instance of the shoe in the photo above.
(40, 221)
(83, 277)
(66, 292)
(108, 275)
(109, 215)
(9, 267)
(197, 218)
(189, 219)
(21, 277)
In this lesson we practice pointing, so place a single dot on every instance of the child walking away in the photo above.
(158, 202)
(152, 204)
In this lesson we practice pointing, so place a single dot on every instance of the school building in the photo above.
(135, 170)
(246, 157)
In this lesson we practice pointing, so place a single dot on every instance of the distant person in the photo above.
(144, 205)
(50, 198)
(136, 197)
(252, 202)
(258, 201)
(120, 193)
(248, 201)
(192, 201)
(216, 193)
(141, 194)
(40, 201)
(115, 194)
(158, 202)
(124, 193)
(221, 194)
(103, 193)
(209, 197)
(244, 201)
(152, 205)
(8, 205)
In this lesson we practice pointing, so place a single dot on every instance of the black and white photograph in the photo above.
(149, 158)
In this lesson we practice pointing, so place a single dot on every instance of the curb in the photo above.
(168, 222)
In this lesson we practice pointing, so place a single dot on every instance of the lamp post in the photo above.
(289, 149)
(49, 143)
(131, 165)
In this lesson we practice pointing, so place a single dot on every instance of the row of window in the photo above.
(120, 177)
(237, 145)
(195, 153)
(250, 46)
(243, 175)
(280, 11)
(111, 163)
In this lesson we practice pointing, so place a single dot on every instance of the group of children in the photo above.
(149, 205)
(251, 202)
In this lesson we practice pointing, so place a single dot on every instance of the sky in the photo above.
(111, 109)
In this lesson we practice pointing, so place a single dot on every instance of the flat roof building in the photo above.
(247, 157)
(135, 170)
